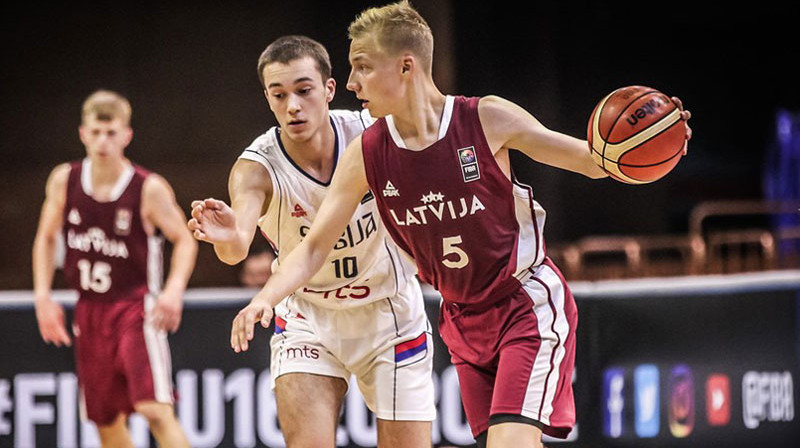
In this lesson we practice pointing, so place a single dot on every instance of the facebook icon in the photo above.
(647, 402)
(613, 401)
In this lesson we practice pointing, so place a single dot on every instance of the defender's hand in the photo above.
(212, 221)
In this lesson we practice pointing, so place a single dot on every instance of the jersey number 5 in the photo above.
(449, 247)
(95, 277)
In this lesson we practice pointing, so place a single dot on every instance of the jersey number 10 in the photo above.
(346, 267)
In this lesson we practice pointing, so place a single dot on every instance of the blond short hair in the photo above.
(106, 105)
(397, 27)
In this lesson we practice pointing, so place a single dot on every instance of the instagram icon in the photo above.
(681, 401)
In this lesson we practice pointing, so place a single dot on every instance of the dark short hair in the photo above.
(288, 48)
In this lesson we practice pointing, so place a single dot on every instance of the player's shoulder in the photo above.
(493, 104)
(59, 175)
(264, 145)
(352, 119)
(494, 111)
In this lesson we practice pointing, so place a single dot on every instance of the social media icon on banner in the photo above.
(647, 401)
(681, 401)
(718, 399)
(613, 401)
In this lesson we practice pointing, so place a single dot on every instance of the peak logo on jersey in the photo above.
(469, 163)
(681, 401)
(298, 211)
(390, 191)
(718, 399)
(74, 217)
(122, 222)
(441, 211)
(95, 239)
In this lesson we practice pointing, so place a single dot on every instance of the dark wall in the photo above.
(189, 71)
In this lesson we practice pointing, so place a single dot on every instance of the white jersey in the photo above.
(364, 265)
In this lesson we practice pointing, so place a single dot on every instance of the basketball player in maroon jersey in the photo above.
(111, 214)
(439, 168)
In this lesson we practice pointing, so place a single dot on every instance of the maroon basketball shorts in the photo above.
(516, 357)
(121, 359)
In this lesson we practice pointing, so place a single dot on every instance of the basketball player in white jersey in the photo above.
(362, 314)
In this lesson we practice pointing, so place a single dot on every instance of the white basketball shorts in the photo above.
(386, 345)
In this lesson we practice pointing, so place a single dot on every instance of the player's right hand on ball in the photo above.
(212, 221)
(242, 328)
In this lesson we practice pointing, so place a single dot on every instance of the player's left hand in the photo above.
(258, 309)
(685, 115)
(168, 310)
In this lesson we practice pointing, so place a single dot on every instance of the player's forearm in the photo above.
(184, 255)
(295, 271)
(44, 262)
(562, 151)
(234, 251)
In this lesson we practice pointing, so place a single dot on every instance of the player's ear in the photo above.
(330, 87)
(128, 135)
(407, 63)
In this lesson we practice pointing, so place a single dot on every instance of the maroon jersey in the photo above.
(109, 256)
(471, 230)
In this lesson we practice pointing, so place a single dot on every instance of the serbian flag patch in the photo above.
(280, 325)
(408, 349)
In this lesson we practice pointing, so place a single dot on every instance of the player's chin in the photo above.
(375, 112)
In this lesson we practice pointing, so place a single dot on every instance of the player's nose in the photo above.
(352, 85)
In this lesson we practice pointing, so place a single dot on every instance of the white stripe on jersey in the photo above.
(155, 263)
(530, 217)
(361, 268)
(158, 354)
(547, 293)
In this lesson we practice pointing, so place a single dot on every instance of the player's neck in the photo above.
(106, 172)
(315, 155)
(420, 116)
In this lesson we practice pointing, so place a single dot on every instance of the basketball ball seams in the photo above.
(596, 131)
(610, 130)
(658, 128)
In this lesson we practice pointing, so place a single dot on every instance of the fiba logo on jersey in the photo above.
(122, 222)
(469, 163)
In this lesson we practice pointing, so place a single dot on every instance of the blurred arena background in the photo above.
(729, 208)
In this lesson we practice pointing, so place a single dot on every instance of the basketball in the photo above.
(636, 134)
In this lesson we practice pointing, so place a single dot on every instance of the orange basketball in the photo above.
(636, 134)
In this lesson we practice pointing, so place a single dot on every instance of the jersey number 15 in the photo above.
(95, 277)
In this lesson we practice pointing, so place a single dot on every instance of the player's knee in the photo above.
(158, 415)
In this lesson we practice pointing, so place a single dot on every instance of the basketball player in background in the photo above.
(111, 214)
(363, 313)
(440, 171)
